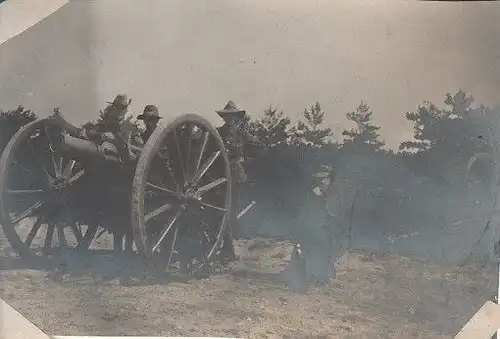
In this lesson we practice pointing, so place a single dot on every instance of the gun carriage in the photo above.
(172, 196)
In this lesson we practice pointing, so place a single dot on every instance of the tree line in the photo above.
(444, 139)
(423, 183)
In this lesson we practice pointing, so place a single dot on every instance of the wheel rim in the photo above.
(182, 195)
(37, 183)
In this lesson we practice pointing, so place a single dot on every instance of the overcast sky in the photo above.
(193, 56)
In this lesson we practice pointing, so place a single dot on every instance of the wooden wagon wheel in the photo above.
(181, 196)
(37, 182)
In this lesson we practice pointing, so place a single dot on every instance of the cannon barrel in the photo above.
(82, 148)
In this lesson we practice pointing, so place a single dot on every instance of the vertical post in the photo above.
(497, 276)
(496, 250)
(497, 230)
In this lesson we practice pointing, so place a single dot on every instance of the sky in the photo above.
(194, 56)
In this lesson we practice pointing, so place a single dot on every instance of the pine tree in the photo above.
(272, 129)
(310, 133)
(11, 121)
(365, 135)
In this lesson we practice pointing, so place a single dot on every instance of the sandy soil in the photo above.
(371, 297)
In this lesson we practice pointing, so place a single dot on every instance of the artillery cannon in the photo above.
(172, 196)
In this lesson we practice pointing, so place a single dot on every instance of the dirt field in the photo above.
(371, 297)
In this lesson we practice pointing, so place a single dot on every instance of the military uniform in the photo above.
(235, 139)
(110, 131)
(151, 115)
(145, 135)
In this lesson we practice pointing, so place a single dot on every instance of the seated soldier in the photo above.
(109, 128)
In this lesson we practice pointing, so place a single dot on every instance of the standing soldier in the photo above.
(235, 138)
(150, 117)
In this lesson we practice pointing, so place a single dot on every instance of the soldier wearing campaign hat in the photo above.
(110, 125)
(236, 138)
(117, 109)
(150, 116)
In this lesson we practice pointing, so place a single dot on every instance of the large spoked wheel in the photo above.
(181, 196)
(38, 187)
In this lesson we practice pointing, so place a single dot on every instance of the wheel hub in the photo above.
(191, 198)
(59, 184)
(59, 188)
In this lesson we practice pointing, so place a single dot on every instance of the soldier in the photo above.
(150, 117)
(332, 232)
(236, 138)
(111, 119)
(110, 128)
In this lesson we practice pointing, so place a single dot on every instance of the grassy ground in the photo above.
(371, 297)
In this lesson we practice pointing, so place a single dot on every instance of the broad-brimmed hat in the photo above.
(121, 100)
(231, 109)
(150, 112)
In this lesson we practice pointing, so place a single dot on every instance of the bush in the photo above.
(11, 121)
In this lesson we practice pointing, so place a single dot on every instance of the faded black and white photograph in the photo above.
(250, 169)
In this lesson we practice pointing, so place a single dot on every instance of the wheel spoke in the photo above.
(76, 177)
(158, 211)
(202, 151)
(172, 173)
(60, 165)
(222, 209)
(19, 192)
(165, 231)
(49, 177)
(35, 154)
(34, 230)
(172, 247)
(180, 161)
(206, 166)
(166, 158)
(33, 176)
(164, 190)
(77, 233)
(61, 236)
(188, 134)
(28, 212)
(69, 169)
(57, 165)
(20, 166)
(101, 232)
(204, 189)
(48, 237)
(89, 236)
